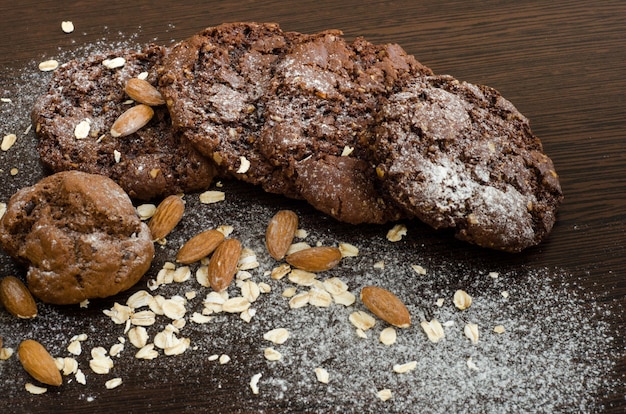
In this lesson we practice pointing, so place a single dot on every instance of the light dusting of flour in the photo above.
(553, 355)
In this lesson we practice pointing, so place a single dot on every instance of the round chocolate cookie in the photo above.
(215, 85)
(323, 104)
(79, 235)
(150, 163)
(460, 156)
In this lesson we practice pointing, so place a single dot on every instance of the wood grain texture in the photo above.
(562, 63)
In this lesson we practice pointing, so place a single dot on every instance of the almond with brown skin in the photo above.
(39, 363)
(142, 91)
(132, 120)
(16, 298)
(315, 259)
(199, 246)
(386, 306)
(223, 264)
(280, 232)
(166, 217)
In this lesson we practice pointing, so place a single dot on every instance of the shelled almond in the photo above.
(166, 217)
(16, 298)
(386, 306)
(39, 363)
(223, 264)
(199, 246)
(315, 259)
(280, 233)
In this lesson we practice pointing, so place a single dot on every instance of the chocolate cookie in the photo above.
(323, 101)
(79, 235)
(215, 85)
(150, 163)
(460, 156)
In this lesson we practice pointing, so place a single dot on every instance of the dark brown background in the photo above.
(562, 63)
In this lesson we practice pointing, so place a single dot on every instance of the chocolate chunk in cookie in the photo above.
(79, 236)
(460, 156)
(74, 118)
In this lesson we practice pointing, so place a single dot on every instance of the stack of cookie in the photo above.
(363, 132)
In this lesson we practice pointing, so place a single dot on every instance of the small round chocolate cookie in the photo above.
(460, 156)
(79, 236)
(74, 118)
(215, 84)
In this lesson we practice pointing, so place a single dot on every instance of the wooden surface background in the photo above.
(562, 63)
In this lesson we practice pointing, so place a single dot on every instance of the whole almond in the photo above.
(223, 264)
(280, 232)
(199, 246)
(166, 217)
(16, 298)
(39, 363)
(315, 259)
(142, 91)
(132, 120)
(386, 306)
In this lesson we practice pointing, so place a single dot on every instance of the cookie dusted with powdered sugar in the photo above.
(460, 156)
(74, 118)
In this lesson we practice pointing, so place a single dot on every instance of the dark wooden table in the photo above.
(562, 63)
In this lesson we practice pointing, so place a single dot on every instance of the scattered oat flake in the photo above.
(433, 330)
(114, 63)
(14, 171)
(385, 394)
(48, 65)
(471, 365)
(5, 353)
(462, 300)
(440, 302)
(322, 375)
(396, 233)
(499, 329)
(404, 368)
(74, 348)
(8, 141)
(84, 304)
(145, 211)
(147, 352)
(254, 383)
(224, 359)
(347, 151)
(277, 336)
(116, 349)
(33, 389)
(388, 336)
(80, 377)
(419, 269)
(379, 265)
(362, 320)
(212, 196)
(6, 100)
(271, 354)
(244, 165)
(348, 250)
(505, 294)
(213, 357)
(471, 331)
(113, 383)
(67, 26)
(494, 275)
(345, 298)
(117, 156)
(237, 304)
